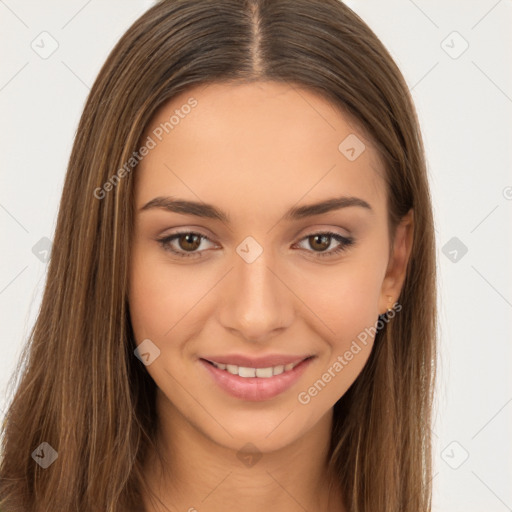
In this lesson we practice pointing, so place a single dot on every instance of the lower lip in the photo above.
(256, 388)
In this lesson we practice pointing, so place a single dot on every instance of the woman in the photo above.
(240, 303)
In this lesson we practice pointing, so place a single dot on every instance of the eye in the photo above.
(188, 243)
(320, 242)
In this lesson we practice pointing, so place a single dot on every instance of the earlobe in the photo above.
(397, 267)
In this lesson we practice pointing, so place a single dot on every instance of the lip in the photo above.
(256, 362)
(256, 389)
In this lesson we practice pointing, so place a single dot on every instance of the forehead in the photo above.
(266, 141)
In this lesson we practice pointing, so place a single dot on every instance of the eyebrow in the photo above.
(209, 211)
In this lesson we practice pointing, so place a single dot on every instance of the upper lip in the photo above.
(256, 362)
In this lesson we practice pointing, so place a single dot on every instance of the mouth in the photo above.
(255, 383)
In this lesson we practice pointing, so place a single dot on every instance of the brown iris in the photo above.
(320, 241)
(192, 241)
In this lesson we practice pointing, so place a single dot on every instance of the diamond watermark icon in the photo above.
(45, 45)
(454, 249)
(351, 147)
(249, 250)
(455, 455)
(41, 249)
(454, 45)
(249, 455)
(44, 455)
(147, 352)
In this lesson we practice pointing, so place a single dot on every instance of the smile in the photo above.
(255, 384)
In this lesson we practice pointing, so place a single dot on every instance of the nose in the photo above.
(256, 303)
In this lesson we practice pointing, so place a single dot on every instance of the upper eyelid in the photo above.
(173, 236)
(308, 234)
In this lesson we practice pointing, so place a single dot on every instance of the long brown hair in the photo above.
(82, 390)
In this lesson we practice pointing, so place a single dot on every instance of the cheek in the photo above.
(346, 301)
(345, 298)
(161, 294)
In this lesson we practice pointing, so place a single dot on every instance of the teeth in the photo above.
(246, 372)
(265, 373)
(232, 368)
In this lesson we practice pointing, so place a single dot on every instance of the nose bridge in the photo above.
(256, 302)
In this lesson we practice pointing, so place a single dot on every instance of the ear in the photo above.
(397, 266)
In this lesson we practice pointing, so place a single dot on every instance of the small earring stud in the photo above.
(390, 301)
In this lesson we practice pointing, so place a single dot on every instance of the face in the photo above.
(277, 294)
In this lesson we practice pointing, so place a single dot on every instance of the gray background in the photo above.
(464, 101)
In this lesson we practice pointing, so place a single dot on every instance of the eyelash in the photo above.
(345, 243)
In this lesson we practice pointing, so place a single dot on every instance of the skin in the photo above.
(255, 150)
